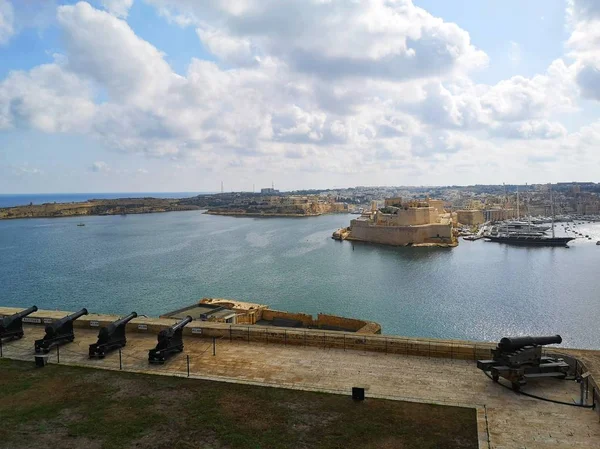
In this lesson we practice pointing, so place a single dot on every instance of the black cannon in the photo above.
(519, 358)
(111, 337)
(170, 340)
(12, 326)
(59, 332)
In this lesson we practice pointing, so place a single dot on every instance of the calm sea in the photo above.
(158, 262)
(10, 200)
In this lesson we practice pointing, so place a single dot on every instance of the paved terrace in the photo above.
(505, 419)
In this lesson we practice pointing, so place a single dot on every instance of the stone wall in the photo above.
(269, 334)
(470, 217)
(400, 235)
(359, 326)
(408, 217)
(455, 349)
(305, 319)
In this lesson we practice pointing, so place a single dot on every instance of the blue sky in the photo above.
(177, 95)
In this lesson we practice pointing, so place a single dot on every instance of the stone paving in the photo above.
(505, 419)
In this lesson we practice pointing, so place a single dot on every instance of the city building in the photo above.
(470, 217)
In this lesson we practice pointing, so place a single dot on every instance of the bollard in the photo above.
(214, 346)
(58, 354)
(188, 364)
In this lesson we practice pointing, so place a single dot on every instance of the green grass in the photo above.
(61, 406)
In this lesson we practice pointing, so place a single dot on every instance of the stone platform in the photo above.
(505, 419)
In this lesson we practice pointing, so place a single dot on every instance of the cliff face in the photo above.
(96, 207)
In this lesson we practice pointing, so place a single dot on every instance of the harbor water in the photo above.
(158, 262)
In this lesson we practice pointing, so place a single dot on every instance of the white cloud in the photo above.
(374, 38)
(118, 8)
(386, 88)
(47, 98)
(530, 129)
(232, 50)
(584, 45)
(100, 167)
(6, 21)
(106, 50)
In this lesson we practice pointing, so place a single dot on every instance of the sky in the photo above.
(181, 95)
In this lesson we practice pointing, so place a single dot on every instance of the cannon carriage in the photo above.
(517, 359)
(111, 337)
(12, 326)
(59, 332)
(170, 340)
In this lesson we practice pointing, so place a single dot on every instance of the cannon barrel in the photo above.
(125, 319)
(7, 320)
(24, 313)
(58, 324)
(514, 343)
(106, 331)
(182, 323)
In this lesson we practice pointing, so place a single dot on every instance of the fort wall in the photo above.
(400, 235)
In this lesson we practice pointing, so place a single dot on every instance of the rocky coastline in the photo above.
(122, 206)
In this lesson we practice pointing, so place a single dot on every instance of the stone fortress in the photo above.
(403, 223)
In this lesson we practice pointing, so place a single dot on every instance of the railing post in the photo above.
(248, 334)
(188, 364)
(230, 339)
(120, 360)
(214, 346)
(285, 337)
(57, 354)
(344, 341)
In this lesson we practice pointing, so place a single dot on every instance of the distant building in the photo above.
(269, 191)
(498, 214)
(408, 223)
(470, 217)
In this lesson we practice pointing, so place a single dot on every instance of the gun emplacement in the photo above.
(111, 337)
(59, 332)
(12, 326)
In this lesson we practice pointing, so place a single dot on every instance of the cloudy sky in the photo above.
(179, 95)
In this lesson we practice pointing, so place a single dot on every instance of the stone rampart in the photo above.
(400, 235)
(455, 349)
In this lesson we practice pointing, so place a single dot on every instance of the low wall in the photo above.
(304, 318)
(455, 349)
(358, 326)
(349, 324)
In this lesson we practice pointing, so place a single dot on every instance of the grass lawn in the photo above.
(68, 407)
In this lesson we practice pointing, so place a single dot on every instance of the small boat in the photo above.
(80, 224)
(598, 243)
